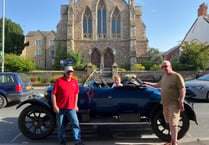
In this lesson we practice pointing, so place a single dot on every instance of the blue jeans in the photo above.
(71, 115)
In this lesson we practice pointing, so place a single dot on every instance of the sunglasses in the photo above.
(165, 66)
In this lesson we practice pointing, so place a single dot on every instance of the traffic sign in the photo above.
(66, 62)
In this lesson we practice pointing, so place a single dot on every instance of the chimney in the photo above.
(202, 11)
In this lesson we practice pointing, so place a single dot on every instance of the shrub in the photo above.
(126, 66)
(155, 67)
(16, 63)
(137, 67)
(54, 78)
(80, 67)
(46, 80)
(147, 64)
(121, 69)
(94, 67)
(33, 79)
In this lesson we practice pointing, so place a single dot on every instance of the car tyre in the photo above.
(3, 101)
(207, 97)
(36, 122)
(161, 128)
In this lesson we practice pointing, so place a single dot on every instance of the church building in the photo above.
(105, 32)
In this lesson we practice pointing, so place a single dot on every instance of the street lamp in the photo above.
(3, 31)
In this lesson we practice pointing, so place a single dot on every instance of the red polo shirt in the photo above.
(65, 92)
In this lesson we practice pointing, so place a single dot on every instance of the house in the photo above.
(105, 32)
(199, 31)
(41, 48)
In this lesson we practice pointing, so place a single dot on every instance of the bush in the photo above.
(80, 67)
(121, 69)
(94, 67)
(33, 79)
(137, 67)
(16, 63)
(147, 64)
(46, 80)
(54, 78)
(155, 67)
(126, 66)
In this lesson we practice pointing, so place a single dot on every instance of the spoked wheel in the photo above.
(161, 128)
(36, 122)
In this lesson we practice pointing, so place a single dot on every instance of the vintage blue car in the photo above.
(133, 103)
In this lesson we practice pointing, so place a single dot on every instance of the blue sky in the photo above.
(167, 21)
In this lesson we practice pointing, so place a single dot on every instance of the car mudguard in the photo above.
(35, 101)
(190, 112)
(188, 109)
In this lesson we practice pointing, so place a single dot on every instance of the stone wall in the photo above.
(143, 75)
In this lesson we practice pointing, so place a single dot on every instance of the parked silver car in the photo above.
(198, 88)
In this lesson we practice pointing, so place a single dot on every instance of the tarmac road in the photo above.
(105, 135)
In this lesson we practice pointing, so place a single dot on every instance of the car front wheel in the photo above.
(161, 128)
(36, 122)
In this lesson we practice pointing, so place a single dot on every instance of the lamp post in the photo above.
(3, 31)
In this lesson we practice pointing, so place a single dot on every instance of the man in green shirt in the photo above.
(173, 94)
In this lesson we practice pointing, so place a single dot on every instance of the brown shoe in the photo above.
(167, 143)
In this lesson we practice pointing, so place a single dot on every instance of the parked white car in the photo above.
(198, 88)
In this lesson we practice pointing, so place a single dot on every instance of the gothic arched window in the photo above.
(116, 22)
(87, 23)
(101, 18)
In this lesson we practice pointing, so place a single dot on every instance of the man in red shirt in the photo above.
(64, 99)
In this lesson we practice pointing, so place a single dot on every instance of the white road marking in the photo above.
(15, 137)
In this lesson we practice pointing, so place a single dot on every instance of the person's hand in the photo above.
(76, 108)
(181, 105)
(147, 83)
(56, 109)
(144, 82)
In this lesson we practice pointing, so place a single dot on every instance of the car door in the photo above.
(101, 99)
(130, 99)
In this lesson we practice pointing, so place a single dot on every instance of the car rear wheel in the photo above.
(36, 122)
(161, 128)
(3, 101)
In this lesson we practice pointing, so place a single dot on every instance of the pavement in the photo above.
(191, 142)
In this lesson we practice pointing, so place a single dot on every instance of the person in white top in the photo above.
(117, 81)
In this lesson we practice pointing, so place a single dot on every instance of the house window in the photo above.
(51, 42)
(116, 23)
(38, 52)
(51, 61)
(38, 42)
(39, 62)
(101, 13)
(52, 53)
(87, 24)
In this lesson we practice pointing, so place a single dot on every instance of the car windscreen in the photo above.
(204, 78)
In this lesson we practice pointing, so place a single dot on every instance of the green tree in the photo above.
(155, 56)
(15, 63)
(14, 37)
(79, 61)
(195, 55)
(61, 53)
